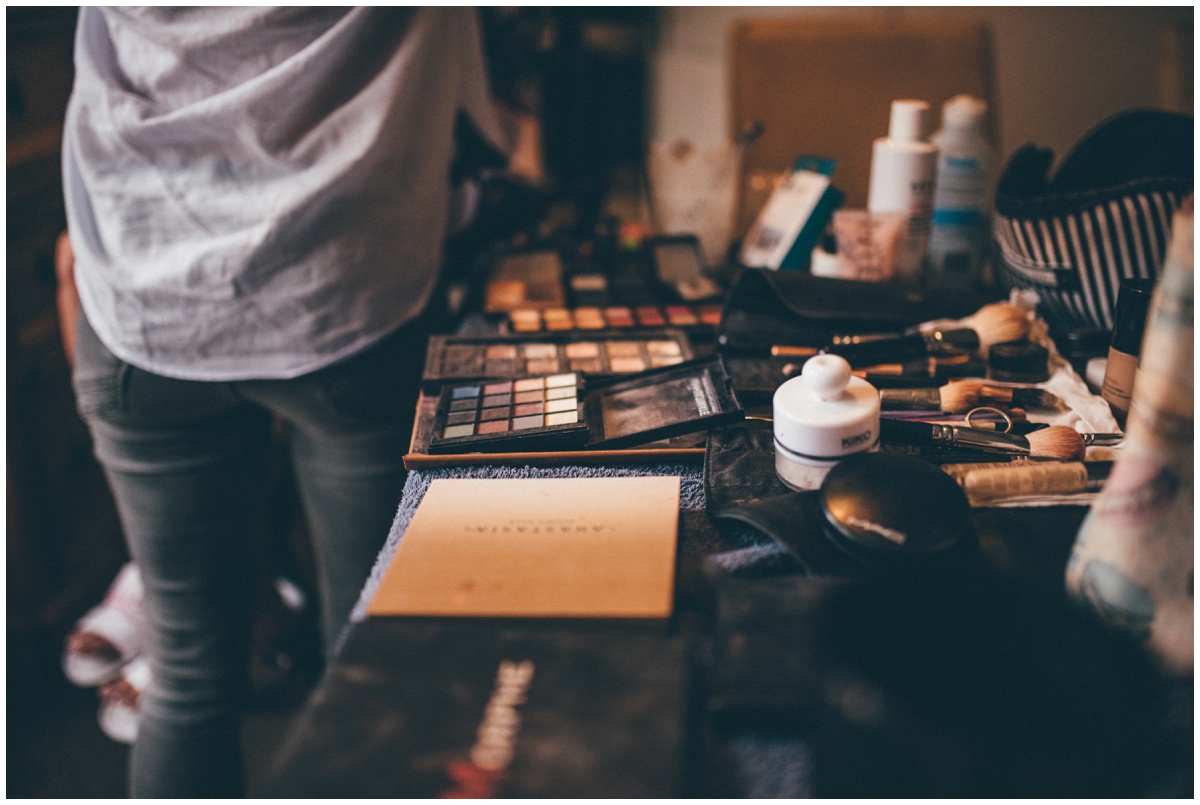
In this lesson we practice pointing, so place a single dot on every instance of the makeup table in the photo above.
(620, 710)
(741, 693)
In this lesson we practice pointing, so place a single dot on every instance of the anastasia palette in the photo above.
(498, 357)
(557, 412)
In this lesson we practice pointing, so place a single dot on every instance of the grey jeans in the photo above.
(185, 462)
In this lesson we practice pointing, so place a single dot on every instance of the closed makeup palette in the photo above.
(617, 317)
(456, 357)
(558, 412)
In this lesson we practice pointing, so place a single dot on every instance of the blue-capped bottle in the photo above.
(962, 197)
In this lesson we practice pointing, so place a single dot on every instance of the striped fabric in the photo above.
(1075, 261)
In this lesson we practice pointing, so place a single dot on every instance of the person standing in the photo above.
(256, 201)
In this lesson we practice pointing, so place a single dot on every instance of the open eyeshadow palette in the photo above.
(562, 412)
(504, 357)
(615, 317)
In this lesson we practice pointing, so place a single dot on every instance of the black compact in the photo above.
(887, 509)
(875, 512)
(566, 412)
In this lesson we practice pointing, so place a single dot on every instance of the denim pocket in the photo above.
(112, 390)
(98, 375)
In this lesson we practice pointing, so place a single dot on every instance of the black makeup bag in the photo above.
(767, 308)
(1104, 215)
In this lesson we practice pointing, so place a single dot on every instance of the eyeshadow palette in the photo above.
(614, 317)
(499, 357)
(529, 413)
(558, 412)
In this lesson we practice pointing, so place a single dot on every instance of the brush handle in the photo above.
(865, 350)
(930, 433)
(925, 399)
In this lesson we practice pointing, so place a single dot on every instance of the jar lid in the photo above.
(1019, 362)
(895, 505)
(825, 413)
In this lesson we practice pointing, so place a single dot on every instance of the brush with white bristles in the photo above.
(996, 323)
(1055, 442)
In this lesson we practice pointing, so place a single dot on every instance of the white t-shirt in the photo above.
(257, 193)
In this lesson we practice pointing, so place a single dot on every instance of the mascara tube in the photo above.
(992, 484)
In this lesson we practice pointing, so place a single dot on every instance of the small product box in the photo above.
(790, 225)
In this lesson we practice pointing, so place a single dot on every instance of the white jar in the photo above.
(821, 417)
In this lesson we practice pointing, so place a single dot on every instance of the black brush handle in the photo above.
(912, 399)
(868, 350)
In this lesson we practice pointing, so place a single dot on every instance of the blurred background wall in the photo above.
(1058, 71)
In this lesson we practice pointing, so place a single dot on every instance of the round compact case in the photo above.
(874, 513)
(821, 417)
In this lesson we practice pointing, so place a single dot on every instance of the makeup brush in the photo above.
(952, 398)
(962, 395)
(996, 323)
(1056, 441)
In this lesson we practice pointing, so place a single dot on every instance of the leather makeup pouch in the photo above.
(767, 308)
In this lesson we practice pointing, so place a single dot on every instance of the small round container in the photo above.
(1018, 362)
(821, 417)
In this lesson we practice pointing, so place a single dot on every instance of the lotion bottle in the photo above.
(962, 194)
(903, 169)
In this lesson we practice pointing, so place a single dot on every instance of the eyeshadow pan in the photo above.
(622, 365)
(460, 418)
(534, 351)
(542, 367)
(565, 404)
(562, 418)
(528, 384)
(528, 408)
(583, 349)
(662, 348)
(455, 431)
(526, 422)
(650, 317)
(465, 391)
(559, 393)
(560, 380)
(500, 351)
(494, 426)
(589, 365)
(497, 399)
(488, 414)
(681, 316)
(463, 405)
(623, 349)
(502, 387)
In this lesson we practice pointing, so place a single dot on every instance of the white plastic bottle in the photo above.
(962, 194)
(903, 167)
